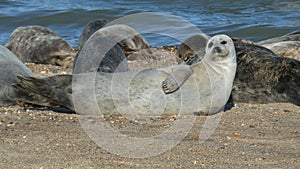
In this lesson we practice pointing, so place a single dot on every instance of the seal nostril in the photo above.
(218, 49)
(223, 42)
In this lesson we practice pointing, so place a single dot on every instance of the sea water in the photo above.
(253, 20)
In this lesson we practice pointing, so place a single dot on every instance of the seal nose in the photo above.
(217, 49)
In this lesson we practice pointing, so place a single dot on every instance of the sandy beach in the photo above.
(248, 136)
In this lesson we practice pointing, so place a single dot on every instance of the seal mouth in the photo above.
(223, 54)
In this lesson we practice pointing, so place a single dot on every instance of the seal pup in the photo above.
(37, 44)
(89, 29)
(207, 88)
(287, 45)
(262, 76)
(127, 37)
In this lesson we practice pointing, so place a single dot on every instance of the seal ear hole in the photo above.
(210, 44)
(223, 42)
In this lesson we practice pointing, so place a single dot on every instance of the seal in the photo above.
(287, 45)
(89, 29)
(10, 68)
(262, 76)
(37, 44)
(207, 88)
(128, 38)
(186, 50)
(114, 60)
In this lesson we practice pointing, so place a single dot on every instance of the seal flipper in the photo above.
(175, 80)
(56, 89)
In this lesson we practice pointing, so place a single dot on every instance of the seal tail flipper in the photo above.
(56, 90)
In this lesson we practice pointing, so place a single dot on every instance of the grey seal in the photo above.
(112, 61)
(11, 67)
(207, 88)
(287, 45)
(262, 76)
(186, 50)
(89, 29)
(37, 44)
(127, 37)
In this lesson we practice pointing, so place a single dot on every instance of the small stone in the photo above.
(228, 138)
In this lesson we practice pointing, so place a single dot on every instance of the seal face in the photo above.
(37, 44)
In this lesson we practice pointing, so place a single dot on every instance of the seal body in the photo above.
(207, 89)
(128, 38)
(287, 45)
(263, 78)
(37, 44)
(102, 55)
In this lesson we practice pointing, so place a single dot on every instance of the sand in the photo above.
(248, 136)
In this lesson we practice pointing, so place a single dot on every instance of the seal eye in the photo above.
(210, 44)
(223, 42)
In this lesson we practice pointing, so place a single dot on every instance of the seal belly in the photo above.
(141, 93)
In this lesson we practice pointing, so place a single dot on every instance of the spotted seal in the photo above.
(206, 89)
(262, 76)
(37, 44)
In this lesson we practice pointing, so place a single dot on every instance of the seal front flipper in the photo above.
(176, 79)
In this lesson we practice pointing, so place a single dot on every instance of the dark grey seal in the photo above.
(102, 55)
(127, 37)
(89, 29)
(262, 76)
(37, 44)
(186, 50)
